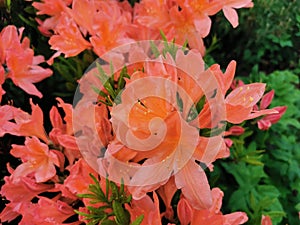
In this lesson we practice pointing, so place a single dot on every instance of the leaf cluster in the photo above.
(112, 210)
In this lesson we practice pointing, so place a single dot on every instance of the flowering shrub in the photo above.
(148, 121)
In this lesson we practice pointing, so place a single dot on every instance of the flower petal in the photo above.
(192, 181)
(231, 15)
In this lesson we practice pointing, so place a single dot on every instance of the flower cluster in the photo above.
(74, 26)
(149, 114)
(19, 63)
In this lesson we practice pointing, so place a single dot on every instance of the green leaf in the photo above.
(179, 102)
(114, 190)
(30, 21)
(108, 222)
(138, 220)
(105, 80)
(122, 215)
(154, 49)
(107, 185)
(92, 196)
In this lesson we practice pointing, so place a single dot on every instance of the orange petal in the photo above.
(192, 181)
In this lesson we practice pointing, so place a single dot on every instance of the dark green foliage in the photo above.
(112, 210)
(262, 175)
(268, 35)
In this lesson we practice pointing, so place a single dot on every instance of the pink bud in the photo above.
(267, 99)
(236, 130)
(237, 83)
(264, 124)
(228, 142)
(274, 118)
(266, 220)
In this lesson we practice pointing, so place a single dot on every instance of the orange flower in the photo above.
(68, 38)
(30, 125)
(147, 207)
(21, 63)
(6, 114)
(53, 8)
(199, 11)
(78, 181)
(9, 38)
(183, 29)
(240, 103)
(152, 14)
(110, 30)
(154, 138)
(23, 189)
(46, 211)
(62, 133)
(212, 215)
(152, 135)
(37, 159)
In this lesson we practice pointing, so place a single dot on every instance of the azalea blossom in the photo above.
(6, 115)
(22, 65)
(149, 127)
(56, 212)
(147, 207)
(61, 134)
(78, 181)
(36, 158)
(53, 8)
(213, 215)
(19, 192)
(67, 38)
(30, 125)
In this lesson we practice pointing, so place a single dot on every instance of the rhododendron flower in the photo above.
(200, 11)
(109, 27)
(78, 181)
(62, 131)
(153, 138)
(240, 103)
(147, 207)
(23, 189)
(46, 211)
(152, 14)
(53, 8)
(213, 215)
(30, 125)
(10, 212)
(22, 65)
(19, 192)
(183, 29)
(7, 113)
(37, 159)
(67, 38)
